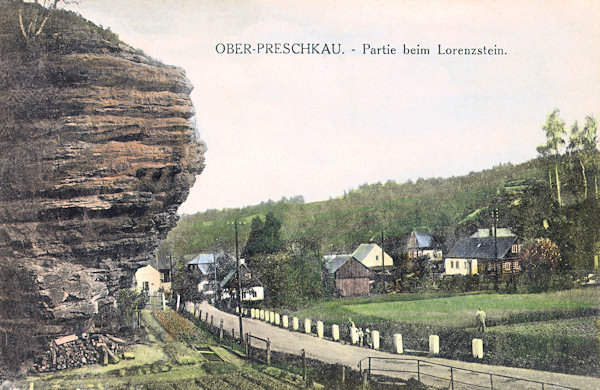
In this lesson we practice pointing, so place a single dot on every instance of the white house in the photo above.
(371, 256)
(147, 279)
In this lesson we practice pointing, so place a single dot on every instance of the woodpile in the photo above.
(75, 351)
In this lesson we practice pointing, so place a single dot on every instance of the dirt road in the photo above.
(335, 352)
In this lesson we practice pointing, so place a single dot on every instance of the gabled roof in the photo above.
(424, 239)
(363, 250)
(230, 278)
(203, 258)
(332, 264)
(204, 261)
(482, 248)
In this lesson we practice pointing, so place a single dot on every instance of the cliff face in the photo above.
(96, 153)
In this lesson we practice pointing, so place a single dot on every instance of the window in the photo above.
(507, 266)
(515, 248)
(376, 257)
(145, 286)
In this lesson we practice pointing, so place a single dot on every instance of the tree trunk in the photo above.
(557, 184)
(585, 186)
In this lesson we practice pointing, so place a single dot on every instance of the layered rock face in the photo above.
(97, 151)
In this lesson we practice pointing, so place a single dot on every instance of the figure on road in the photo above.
(480, 316)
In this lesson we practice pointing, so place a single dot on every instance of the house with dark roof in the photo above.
(421, 245)
(373, 257)
(346, 276)
(485, 253)
(252, 287)
(202, 268)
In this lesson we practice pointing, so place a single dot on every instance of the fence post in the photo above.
(491, 382)
(268, 352)
(369, 375)
(249, 346)
(211, 321)
(418, 370)
(365, 381)
(303, 353)
(221, 331)
(320, 329)
(452, 377)
(343, 374)
(295, 323)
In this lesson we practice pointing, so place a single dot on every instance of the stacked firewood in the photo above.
(75, 351)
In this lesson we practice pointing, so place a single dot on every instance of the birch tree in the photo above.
(555, 141)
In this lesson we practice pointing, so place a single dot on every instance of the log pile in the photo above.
(75, 351)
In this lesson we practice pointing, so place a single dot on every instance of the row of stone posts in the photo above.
(283, 321)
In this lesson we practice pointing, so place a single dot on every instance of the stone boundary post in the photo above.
(335, 332)
(434, 345)
(478, 348)
(398, 346)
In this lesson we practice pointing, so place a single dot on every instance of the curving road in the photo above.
(335, 352)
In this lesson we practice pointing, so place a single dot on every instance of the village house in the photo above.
(421, 245)
(152, 281)
(202, 268)
(373, 257)
(485, 253)
(252, 287)
(346, 276)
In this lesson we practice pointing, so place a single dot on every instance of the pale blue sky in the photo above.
(283, 125)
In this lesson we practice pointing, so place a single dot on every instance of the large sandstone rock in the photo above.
(97, 151)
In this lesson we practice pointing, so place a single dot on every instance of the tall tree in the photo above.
(555, 134)
(589, 145)
(264, 237)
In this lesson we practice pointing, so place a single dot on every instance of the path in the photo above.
(334, 352)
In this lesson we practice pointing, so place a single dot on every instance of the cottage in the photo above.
(350, 277)
(373, 257)
(484, 252)
(203, 268)
(421, 245)
(147, 279)
(252, 287)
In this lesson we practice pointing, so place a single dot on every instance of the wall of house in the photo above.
(454, 266)
(352, 287)
(256, 293)
(352, 268)
(147, 274)
(373, 259)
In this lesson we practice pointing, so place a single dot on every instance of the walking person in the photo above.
(480, 316)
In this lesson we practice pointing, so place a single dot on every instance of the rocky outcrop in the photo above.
(97, 151)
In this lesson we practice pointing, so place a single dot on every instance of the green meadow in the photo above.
(452, 311)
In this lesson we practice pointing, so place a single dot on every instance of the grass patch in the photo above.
(445, 310)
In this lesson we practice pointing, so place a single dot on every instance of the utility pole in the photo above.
(239, 282)
(495, 227)
(215, 271)
(382, 253)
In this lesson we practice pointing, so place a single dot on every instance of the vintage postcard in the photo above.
(299, 194)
